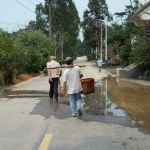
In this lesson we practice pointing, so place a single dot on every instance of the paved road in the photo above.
(30, 121)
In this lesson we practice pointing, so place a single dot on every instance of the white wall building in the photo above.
(142, 15)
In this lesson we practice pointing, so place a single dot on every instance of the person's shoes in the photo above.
(73, 115)
(56, 100)
(51, 99)
(80, 112)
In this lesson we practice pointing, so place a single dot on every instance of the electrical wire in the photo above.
(31, 3)
(8, 23)
(24, 6)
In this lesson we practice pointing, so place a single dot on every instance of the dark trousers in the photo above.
(53, 92)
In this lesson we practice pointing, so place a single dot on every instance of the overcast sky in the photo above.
(15, 14)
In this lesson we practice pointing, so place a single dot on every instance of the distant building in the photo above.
(141, 16)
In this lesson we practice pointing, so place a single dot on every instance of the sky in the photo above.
(16, 14)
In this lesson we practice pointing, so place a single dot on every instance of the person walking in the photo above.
(99, 64)
(71, 79)
(45, 71)
(53, 75)
(48, 62)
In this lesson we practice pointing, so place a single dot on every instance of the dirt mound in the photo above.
(24, 77)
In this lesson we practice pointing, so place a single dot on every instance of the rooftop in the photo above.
(142, 15)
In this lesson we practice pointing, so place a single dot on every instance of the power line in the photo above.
(25, 6)
(31, 3)
(8, 23)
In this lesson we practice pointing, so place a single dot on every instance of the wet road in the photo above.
(24, 111)
(115, 116)
(134, 99)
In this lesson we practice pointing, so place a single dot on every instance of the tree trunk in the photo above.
(98, 50)
(62, 44)
(50, 37)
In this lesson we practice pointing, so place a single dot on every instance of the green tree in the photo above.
(125, 53)
(79, 49)
(37, 48)
(7, 53)
(116, 32)
(141, 55)
(64, 24)
(41, 19)
(129, 11)
(97, 11)
(125, 32)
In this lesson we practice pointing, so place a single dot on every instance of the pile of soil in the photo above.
(25, 76)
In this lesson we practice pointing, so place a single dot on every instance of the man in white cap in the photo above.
(53, 75)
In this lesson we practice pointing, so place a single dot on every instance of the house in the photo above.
(141, 16)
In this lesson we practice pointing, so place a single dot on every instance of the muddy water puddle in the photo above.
(98, 103)
(116, 97)
(133, 98)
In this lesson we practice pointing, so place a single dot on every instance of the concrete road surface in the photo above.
(30, 121)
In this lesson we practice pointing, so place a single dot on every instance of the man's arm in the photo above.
(64, 86)
(49, 75)
(81, 75)
(60, 72)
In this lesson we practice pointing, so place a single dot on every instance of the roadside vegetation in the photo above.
(27, 50)
(122, 49)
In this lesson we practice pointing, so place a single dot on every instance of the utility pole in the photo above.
(106, 43)
(96, 46)
(101, 42)
(50, 26)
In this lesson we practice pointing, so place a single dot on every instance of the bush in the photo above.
(147, 74)
(125, 64)
(7, 53)
(148, 78)
(141, 56)
(125, 53)
(61, 61)
(1, 79)
(6, 77)
(91, 56)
